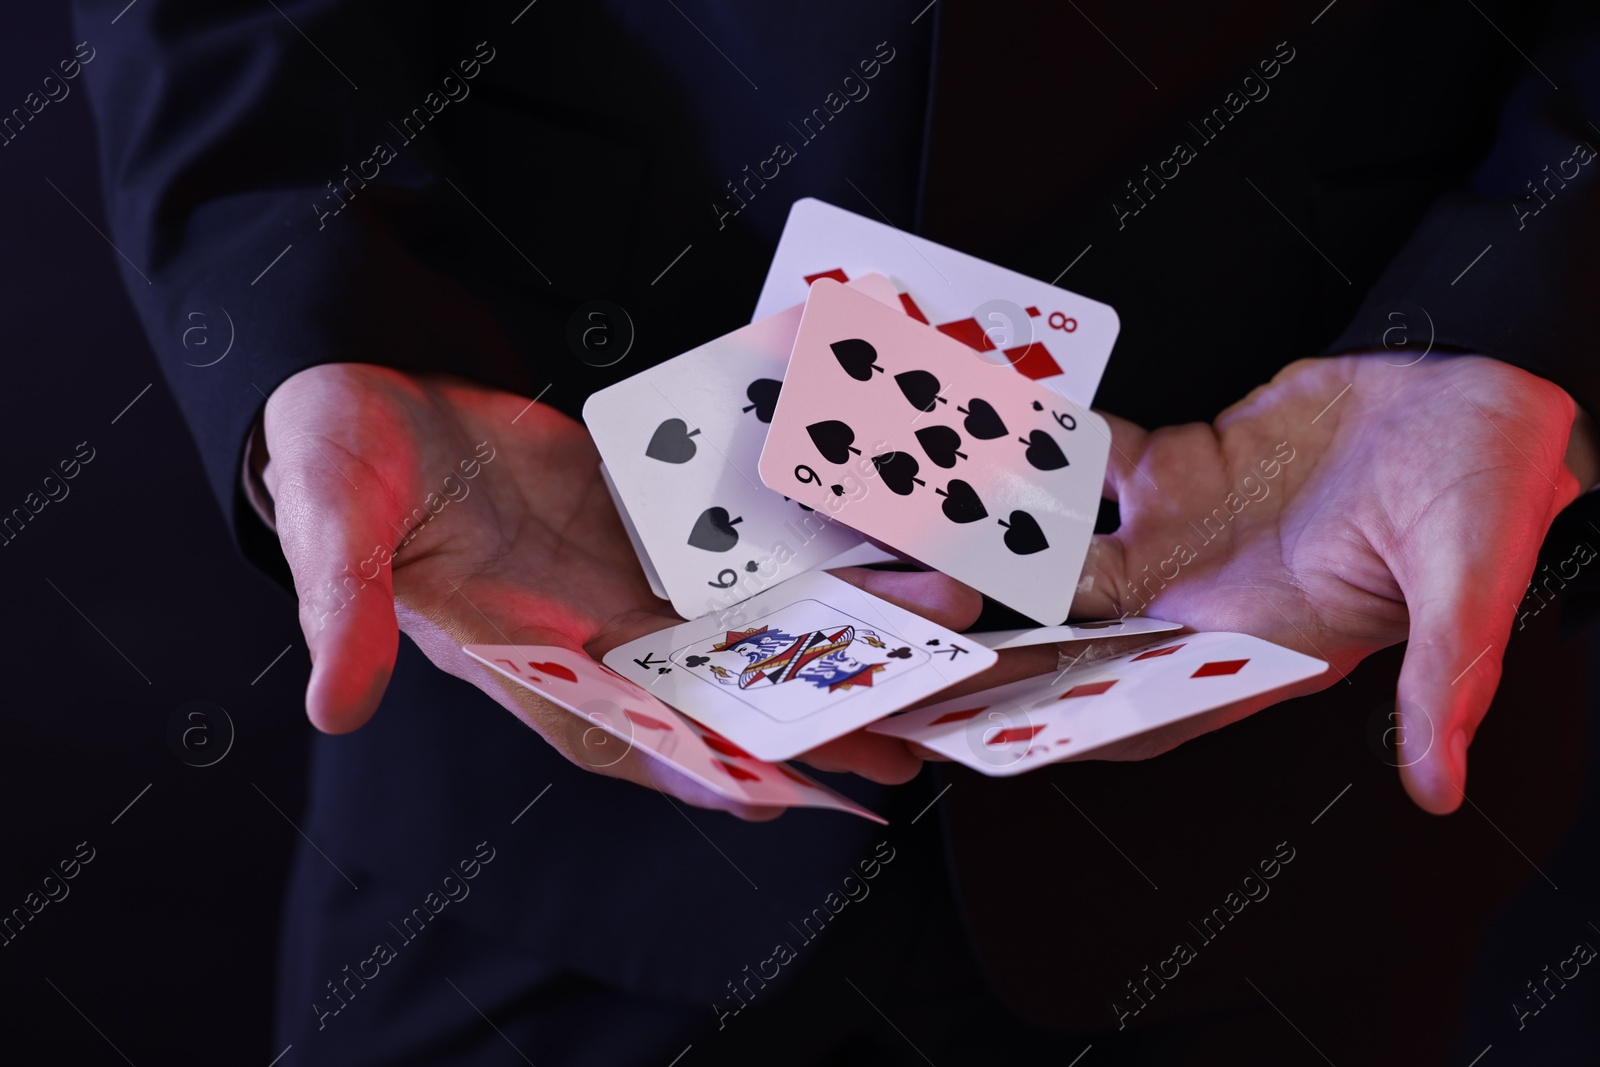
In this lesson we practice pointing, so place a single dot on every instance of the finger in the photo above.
(1449, 676)
(1014, 664)
(1127, 445)
(601, 753)
(754, 814)
(936, 597)
(882, 759)
(1099, 594)
(336, 539)
(589, 746)
(670, 782)
(580, 736)
(1461, 586)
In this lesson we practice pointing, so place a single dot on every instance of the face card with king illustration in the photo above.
(680, 443)
(893, 428)
(799, 665)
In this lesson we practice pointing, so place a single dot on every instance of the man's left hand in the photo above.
(1345, 506)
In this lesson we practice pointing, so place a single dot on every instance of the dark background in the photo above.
(166, 939)
(164, 947)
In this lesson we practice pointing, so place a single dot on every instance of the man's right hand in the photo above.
(527, 548)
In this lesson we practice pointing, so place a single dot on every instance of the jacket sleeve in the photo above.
(265, 203)
(1507, 267)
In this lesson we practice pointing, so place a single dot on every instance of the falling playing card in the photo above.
(1057, 337)
(1127, 626)
(636, 720)
(893, 428)
(649, 568)
(680, 441)
(1023, 725)
(799, 665)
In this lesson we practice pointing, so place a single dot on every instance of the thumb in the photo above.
(935, 596)
(338, 541)
(1128, 441)
(1461, 588)
(1105, 569)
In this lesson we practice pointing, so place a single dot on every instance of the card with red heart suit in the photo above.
(1015, 728)
(631, 719)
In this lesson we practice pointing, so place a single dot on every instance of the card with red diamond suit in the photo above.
(634, 719)
(1036, 330)
(1014, 728)
(1096, 630)
(799, 664)
(888, 426)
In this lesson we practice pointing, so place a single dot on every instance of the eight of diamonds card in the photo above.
(798, 665)
(1053, 336)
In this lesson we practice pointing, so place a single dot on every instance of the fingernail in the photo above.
(1458, 758)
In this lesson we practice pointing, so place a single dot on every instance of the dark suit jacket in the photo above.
(1336, 172)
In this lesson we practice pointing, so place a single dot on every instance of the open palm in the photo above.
(501, 532)
(1347, 505)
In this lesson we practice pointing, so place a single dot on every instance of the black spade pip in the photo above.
(672, 442)
(983, 421)
(921, 389)
(714, 530)
(942, 444)
(834, 440)
(1043, 452)
(763, 397)
(858, 358)
(1023, 535)
(961, 503)
(899, 471)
